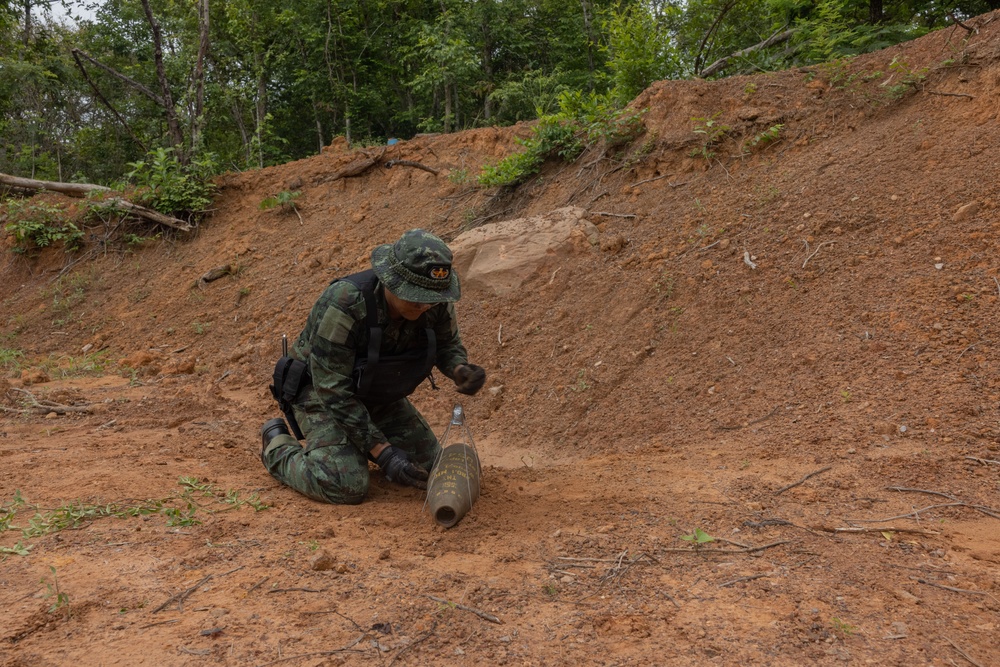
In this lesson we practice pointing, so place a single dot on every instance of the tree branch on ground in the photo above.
(776, 38)
(83, 189)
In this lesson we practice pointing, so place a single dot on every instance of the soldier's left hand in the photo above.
(469, 378)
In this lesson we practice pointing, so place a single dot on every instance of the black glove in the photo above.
(469, 378)
(398, 468)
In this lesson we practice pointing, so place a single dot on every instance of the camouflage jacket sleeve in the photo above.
(335, 328)
(450, 350)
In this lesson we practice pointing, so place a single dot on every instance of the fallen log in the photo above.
(83, 189)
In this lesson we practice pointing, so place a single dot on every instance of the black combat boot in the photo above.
(271, 429)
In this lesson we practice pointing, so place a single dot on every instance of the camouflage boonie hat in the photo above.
(417, 268)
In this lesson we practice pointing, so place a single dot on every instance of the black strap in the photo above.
(431, 347)
(374, 337)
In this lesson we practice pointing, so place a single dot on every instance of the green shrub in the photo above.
(582, 121)
(170, 187)
(39, 225)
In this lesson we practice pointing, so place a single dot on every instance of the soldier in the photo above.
(370, 340)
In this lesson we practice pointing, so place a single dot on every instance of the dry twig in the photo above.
(700, 550)
(290, 590)
(183, 595)
(956, 646)
(42, 405)
(615, 215)
(953, 589)
(983, 461)
(934, 92)
(648, 180)
(884, 529)
(794, 484)
(481, 614)
(346, 649)
(742, 579)
(410, 163)
(412, 644)
(816, 251)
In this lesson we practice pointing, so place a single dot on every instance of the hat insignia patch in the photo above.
(440, 272)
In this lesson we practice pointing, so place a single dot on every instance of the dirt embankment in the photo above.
(784, 339)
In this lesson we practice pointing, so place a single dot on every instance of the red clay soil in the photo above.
(789, 346)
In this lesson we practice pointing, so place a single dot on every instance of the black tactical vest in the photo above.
(379, 378)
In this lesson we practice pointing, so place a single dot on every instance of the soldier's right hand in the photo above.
(398, 468)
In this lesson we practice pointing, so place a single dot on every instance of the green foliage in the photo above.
(60, 600)
(11, 361)
(712, 132)
(179, 510)
(37, 225)
(831, 30)
(284, 199)
(765, 138)
(908, 78)
(513, 169)
(641, 48)
(582, 121)
(842, 626)
(286, 78)
(458, 176)
(172, 188)
(698, 537)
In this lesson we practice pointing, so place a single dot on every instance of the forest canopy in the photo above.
(238, 84)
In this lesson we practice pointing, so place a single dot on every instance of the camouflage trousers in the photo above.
(331, 469)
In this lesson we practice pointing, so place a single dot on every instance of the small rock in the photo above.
(557, 533)
(52, 415)
(723, 244)
(31, 376)
(898, 628)
(342, 568)
(322, 562)
(939, 266)
(86, 348)
(607, 528)
(567, 579)
(966, 212)
(384, 554)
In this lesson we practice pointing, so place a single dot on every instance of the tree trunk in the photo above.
(198, 117)
(711, 31)
(27, 23)
(173, 124)
(83, 189)
(447, 108)
(875, 12)
(261, 107)
(590, 41)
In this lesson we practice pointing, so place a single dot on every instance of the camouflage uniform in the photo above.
(340, 429)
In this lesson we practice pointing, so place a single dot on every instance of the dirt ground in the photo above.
(788, 346)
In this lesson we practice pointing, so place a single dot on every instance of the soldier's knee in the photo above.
(345, 494)
(345, 485)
